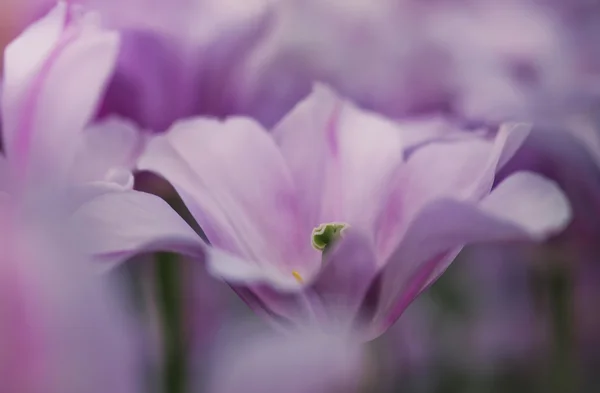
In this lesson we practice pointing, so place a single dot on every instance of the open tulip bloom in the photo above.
(337, 215)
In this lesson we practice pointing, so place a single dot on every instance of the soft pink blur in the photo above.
(64, 328)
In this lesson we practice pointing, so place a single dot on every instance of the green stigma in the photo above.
(325, 235)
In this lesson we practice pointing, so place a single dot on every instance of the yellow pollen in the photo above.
(297, 276)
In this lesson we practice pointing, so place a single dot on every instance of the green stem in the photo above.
(562, 369)
(169, 297)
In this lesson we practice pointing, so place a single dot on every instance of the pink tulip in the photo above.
(404, 199)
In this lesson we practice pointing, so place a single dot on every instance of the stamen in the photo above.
(298, 277)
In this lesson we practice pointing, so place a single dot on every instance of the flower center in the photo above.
(325, 235)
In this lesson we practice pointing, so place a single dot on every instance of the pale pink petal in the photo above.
(55, 73)
(527, 200)
(107, 149)
(282, 309)
(459, 164)
(334, 297)
(534, 203)
(64, 328)
(523, 207)
(416, 132)
(347, 274)
(310, 360)
(235, 182)
(459, 168)
(343, 159)
(81, 193)
(303, 137)
(118, 225)
(365, 156)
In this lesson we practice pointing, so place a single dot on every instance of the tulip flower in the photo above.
(335, 212)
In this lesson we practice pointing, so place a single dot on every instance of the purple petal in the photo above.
(118, 225)
(461, 168)
(337, 293)
(302, 137)
(180, 58)
(54, 76)
(348, 272)
(235, 182)
(523, 207)
(105, 148)
(305, 361)
(63, 327)
(534, 203)
(378, 55)
(345, 161)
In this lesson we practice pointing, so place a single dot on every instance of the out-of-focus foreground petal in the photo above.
(303, 361)
(64, 329)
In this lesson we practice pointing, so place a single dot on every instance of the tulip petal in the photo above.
(121, 224)
(55, 73)
(348, 271)
(343, 159)
(302, 138)
(106, 147)
(118, 224)
(307, 360)
(235, 182)
(64, 328)
(529, 200)
(460, 168)
(525, 206)
(335, 295)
